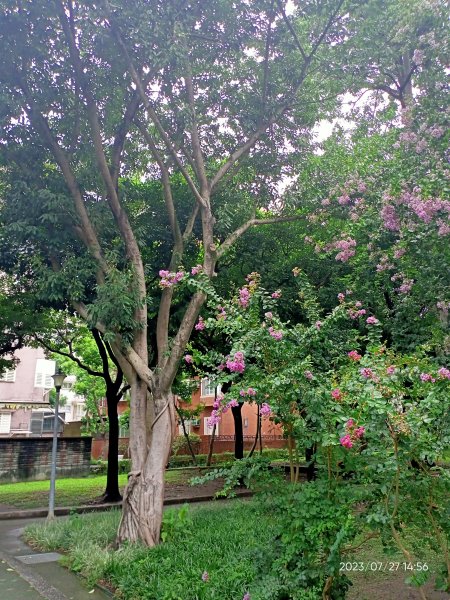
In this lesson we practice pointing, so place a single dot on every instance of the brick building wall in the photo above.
(26, 459)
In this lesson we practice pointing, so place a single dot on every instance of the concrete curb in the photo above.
(35, 513)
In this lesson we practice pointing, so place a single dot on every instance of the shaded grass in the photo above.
(220, 539)
(69, 491)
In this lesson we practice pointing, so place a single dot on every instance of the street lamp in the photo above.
(58, 379)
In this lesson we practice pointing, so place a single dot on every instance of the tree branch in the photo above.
(119, 214)
(39, 122)
(233, 237)
(69, 354)
(196, 147)
(149, 108)
(291, 29)
(167, 190)
(254, 137)
(103, 355)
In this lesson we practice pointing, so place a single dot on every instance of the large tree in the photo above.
(93, 92)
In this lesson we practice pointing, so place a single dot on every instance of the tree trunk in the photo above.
(186, 435)
(310, 462)
(144, 495)
(211, 446)
(238, 431)
(112, 493)
(258, 418)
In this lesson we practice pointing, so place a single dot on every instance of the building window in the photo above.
(207, 430)
(208, 388)
(5, 422)
(9, 376)
(187, 424)
(43, 375)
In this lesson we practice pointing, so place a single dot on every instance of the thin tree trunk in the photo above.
(310, 462)
(213, 435)
(238, 431)
(259, 434)
(250, 454)
(144, 495)
(186, 435)
(112, 492)
(211, 446)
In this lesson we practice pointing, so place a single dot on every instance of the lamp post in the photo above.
(58, 379)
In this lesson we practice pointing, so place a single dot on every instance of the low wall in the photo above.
(25, 459)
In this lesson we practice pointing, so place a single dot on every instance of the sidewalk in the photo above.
(26, 574)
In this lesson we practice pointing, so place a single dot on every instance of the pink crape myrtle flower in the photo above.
(232, 403)
(372, 321)
(308, 375)
(277, 335)
(390, 370)
(237, 365)
(353, 355)
(195, 270)
(169, 279)
(268, 315)
(359, 432)
(341, 297)
(427, 377)
(336, 394)
(276, 294)
(246, 596)
(265, 410)
(244, 297)
(350, 423)
(214, 419)
(200, 326)
(346, 441)
(318, 324)
(367, 373)
(444, 373)
(188, 359)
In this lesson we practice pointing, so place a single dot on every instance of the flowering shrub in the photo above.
(366, 414)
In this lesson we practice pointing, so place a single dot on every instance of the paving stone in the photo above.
(36, 559)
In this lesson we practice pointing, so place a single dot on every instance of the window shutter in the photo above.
(36, 422)
(5, 422)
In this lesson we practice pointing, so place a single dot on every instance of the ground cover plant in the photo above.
(210, 552)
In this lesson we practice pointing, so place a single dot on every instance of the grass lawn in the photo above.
(69, 491)
(228, 540)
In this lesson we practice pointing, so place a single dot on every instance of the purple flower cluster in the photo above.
(237, 365)
(195, 270)
(444, 373)
(169, 279)
(346, 247)
(200, 326)
(277, 335)
(244, 297)
(265, 410)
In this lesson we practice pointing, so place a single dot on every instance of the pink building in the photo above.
(24, 396)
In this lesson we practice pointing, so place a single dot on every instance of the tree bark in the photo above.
(144, 495)
(238, 431)
(112, 492)
(186, 435)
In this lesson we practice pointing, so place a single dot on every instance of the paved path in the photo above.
(29, 575)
